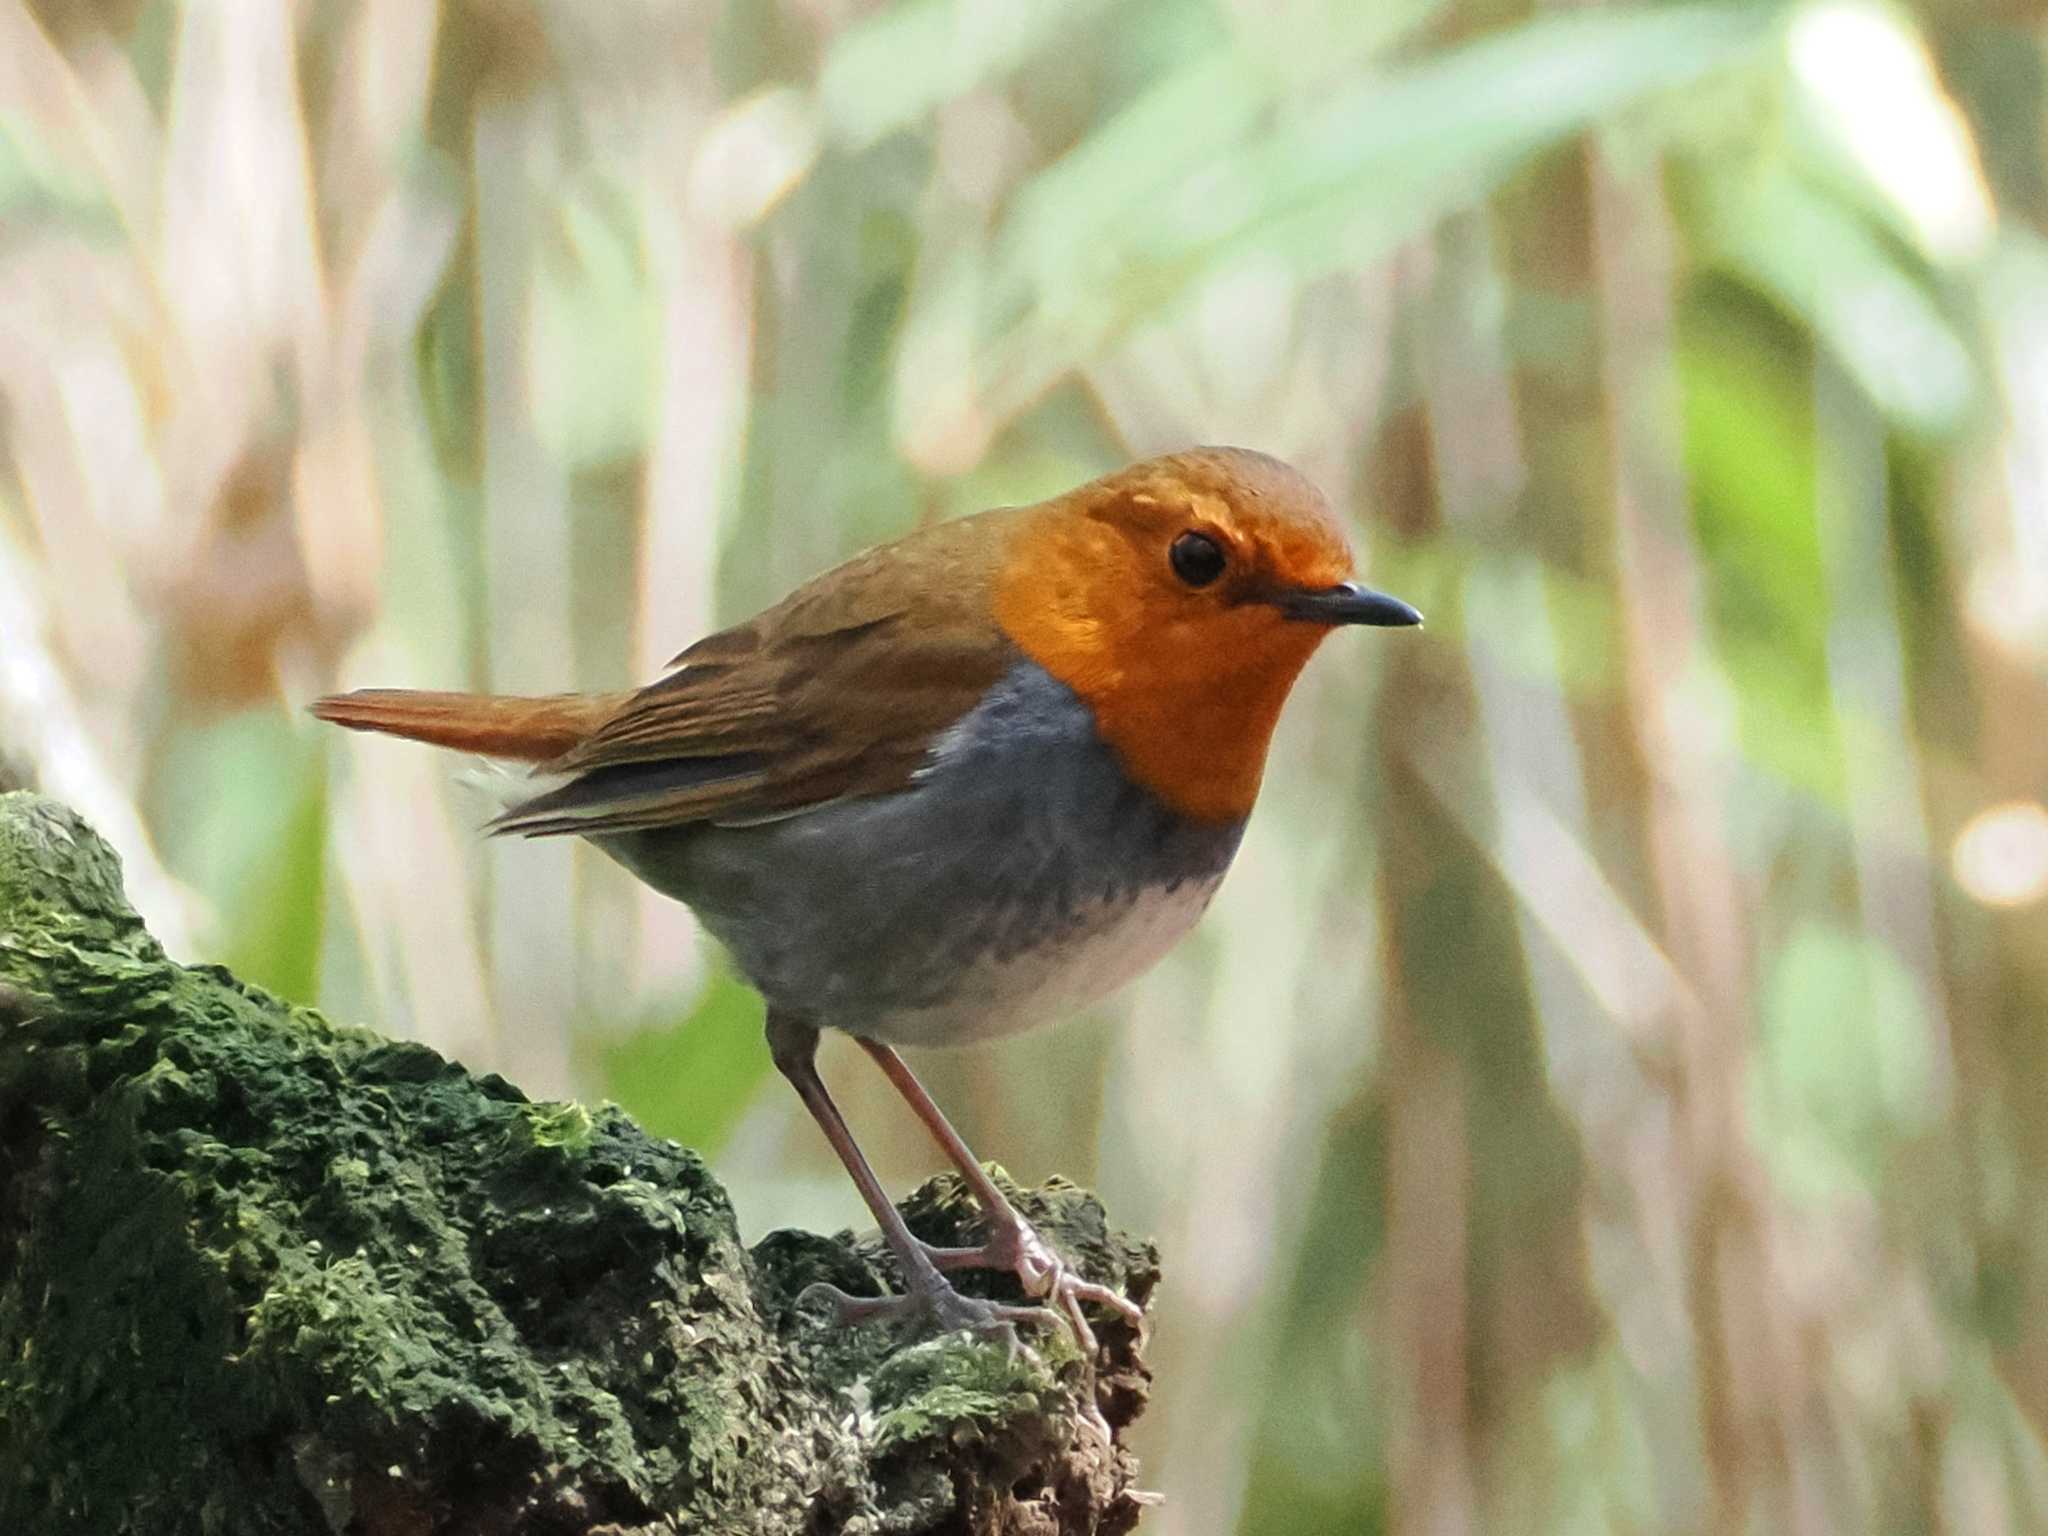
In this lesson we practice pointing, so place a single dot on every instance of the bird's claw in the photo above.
(928, 1310)
(1045, 1276)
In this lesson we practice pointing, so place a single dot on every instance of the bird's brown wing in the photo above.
(837, 691)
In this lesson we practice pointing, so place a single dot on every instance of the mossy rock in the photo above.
(264, 1273)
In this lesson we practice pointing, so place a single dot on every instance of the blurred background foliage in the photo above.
(1609, 1094)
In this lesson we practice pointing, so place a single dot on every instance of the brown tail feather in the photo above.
(523, 730)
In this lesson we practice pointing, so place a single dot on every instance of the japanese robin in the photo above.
(964, 783)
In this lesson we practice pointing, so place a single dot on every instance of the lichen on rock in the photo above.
(264, 1273)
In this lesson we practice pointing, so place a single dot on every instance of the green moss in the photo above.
(261, 1273)
(940, 1393)
(567, 1126)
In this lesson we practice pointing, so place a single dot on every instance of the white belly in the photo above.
(999, 996)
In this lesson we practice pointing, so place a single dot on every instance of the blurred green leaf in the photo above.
(1320, 1464)
(36, 188)
(1859, 293)
(1579, 1454)
(893, 68)
(1845, 1067)
(1747, 395)
(241, 805)
(692, 1079)
(595, 329)
(1159, 198)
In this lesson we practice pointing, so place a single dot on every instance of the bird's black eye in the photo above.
(1197, 559)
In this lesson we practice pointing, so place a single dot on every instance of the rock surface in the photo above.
(264, 1273)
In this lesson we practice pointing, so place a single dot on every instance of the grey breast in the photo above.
(1021, 830)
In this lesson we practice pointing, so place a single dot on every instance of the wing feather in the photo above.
(838, 691)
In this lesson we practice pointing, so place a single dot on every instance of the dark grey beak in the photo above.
(1348, 603)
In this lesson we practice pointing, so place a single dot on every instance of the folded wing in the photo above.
(840, 690)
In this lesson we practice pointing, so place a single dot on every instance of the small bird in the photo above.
(962, 784)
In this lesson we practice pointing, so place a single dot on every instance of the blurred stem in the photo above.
(1508, 1290)
(1692, 894)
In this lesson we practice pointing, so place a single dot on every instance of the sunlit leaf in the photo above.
(1829, 266)
(891, 69)
(1180, 186)
(1749, 447)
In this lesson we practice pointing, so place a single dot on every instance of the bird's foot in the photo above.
(930, 1307)
(1016, 1246)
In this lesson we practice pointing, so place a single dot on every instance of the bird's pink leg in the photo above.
(929, 1300)
(1013, 1243)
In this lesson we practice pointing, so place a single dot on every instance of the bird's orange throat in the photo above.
(1187, 699)
(1200, 749)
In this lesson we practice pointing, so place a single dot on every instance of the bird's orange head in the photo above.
(1180, 598)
